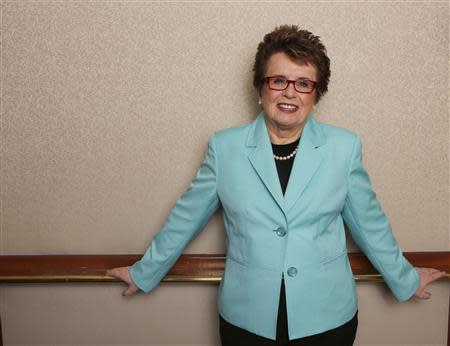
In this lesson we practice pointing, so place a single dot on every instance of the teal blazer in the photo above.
(299, 235)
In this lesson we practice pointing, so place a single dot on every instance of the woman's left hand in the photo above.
(427, 275)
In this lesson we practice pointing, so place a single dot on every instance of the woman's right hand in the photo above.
(123, 273)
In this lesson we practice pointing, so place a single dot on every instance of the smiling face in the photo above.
(287, 110)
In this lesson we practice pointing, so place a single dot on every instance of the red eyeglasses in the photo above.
(301, 85)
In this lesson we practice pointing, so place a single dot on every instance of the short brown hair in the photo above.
(300, 45)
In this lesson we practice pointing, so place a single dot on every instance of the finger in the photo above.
(423, 295)
(114, 272)
(434, 270)
(426, 295)
(432, 276)
(129, 291)
(119, 273)
(109, 272)
(437, 275)
(428, 270)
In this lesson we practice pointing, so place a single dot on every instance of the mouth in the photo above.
(287, 107)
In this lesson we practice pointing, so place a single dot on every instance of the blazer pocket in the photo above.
(330, 238)
(236, 224)
(334, 258)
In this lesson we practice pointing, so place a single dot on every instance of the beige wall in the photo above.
(106, 111)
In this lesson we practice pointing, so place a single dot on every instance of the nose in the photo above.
(290, 91)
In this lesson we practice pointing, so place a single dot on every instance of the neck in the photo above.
(283, 135)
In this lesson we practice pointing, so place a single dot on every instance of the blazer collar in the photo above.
(258, 133)
(306, 162)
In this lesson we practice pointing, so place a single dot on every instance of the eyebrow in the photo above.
(283, 76)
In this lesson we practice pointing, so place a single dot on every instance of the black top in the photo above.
(284, 167)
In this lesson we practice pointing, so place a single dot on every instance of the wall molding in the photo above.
(189, 267)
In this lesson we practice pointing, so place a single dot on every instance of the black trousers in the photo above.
(232, 335)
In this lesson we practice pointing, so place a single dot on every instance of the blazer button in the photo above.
(292, 271)
(281, 232)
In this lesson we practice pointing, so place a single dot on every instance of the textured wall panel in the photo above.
(106, 111)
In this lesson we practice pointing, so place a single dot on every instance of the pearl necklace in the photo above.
(288, 157)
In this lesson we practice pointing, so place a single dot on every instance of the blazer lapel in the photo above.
(261, 158)
(306, 162)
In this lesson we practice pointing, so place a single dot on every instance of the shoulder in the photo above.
(338, 142)
(334, 131)
(336, 134)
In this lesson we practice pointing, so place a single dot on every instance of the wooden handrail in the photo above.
(209, 268)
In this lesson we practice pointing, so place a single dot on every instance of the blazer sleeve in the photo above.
(372, 232)
(187, 218)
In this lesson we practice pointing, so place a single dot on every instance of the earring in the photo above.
(259, 101)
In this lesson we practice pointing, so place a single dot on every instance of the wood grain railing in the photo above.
(189, 268)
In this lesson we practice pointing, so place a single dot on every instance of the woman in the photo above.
(285, 182)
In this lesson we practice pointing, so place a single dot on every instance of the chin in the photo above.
(287, 125)
(290, 122)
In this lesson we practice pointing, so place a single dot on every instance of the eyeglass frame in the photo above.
(289, 81)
